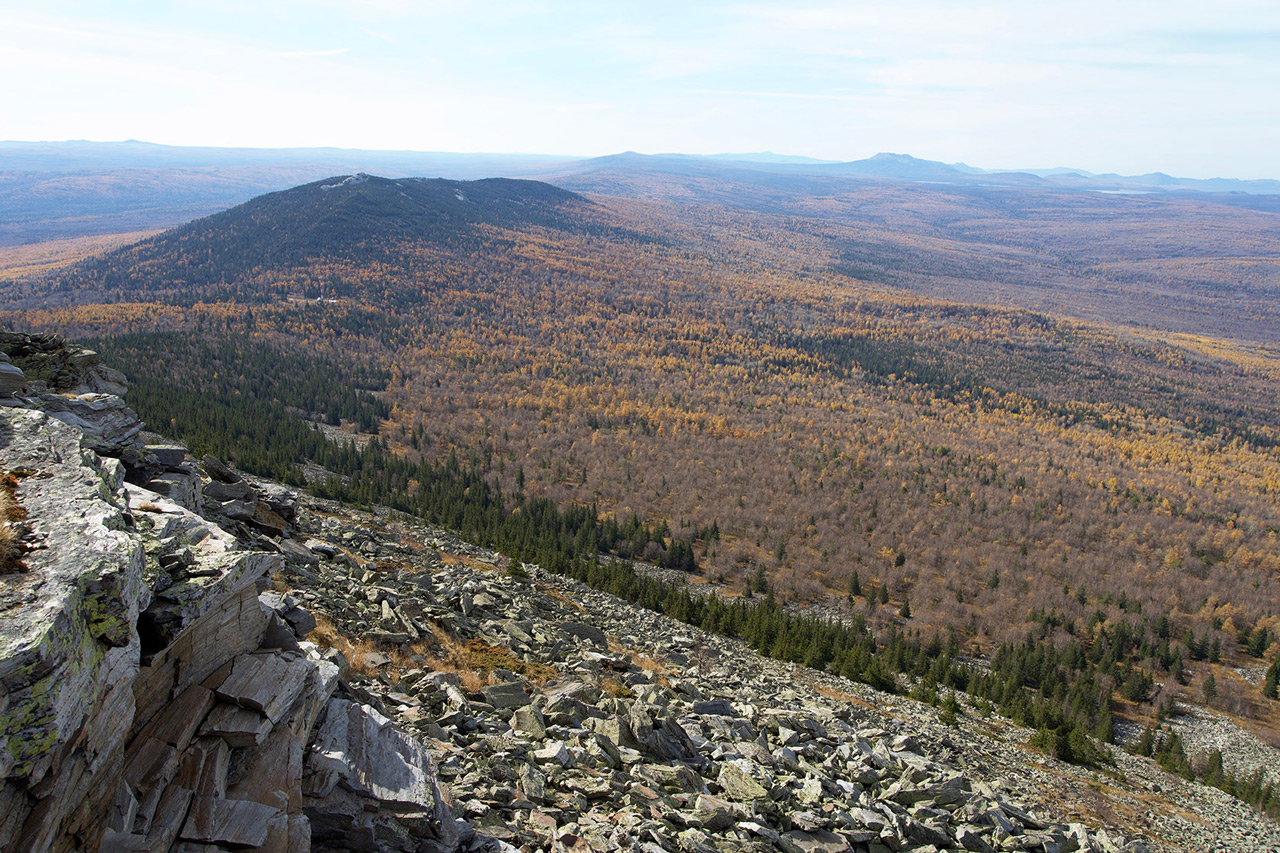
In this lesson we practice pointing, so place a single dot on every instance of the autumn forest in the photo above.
(939, 411)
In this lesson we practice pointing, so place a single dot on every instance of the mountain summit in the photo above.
(337, 213)
(345, 219)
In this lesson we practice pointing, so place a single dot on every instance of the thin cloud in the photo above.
(796, 96)
(295, 54)
(376, 34)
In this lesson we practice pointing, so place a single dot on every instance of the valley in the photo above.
(994, 416)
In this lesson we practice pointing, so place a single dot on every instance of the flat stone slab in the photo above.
(504, 697)
(239, 727)
(266, 683)
(588, 633)
(168, 455)
(235, 823)
(716, 707)
(179, 720)
(818, 841)
(359, 748)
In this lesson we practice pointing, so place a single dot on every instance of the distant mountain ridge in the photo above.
(54, 190)
(51, 190)
(81, 155)
(905, 167)
(76, 155)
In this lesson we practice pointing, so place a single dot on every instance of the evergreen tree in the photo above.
(950, 710)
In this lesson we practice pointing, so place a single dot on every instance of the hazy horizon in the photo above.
(1172, 87)
(744, 156)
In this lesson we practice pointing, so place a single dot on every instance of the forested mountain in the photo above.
(839, 395)
(355, 219)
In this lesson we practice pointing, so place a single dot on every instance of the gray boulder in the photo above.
(11, 378)
(365, 780)
(109, 426)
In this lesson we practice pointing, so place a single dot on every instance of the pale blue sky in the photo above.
(1190, 88)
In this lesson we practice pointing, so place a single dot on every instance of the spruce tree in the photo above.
(1210, 688)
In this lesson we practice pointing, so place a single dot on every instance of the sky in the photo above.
(1130, 86)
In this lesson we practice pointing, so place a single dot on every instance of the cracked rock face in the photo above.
(68, 650)
(151, 700)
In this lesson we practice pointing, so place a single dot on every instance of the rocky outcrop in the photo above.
(68, 645)
(12, 379)
(155, 692)
(73, 386)
(49, 363)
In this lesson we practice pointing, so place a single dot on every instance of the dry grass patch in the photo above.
(469, 562)
(326, 634)
(486, 658)
(641, 660)
(648, 664)
(845, 696)
(11, 549)
(450, 655)
(472, 661)
(358, 650)
(552, 592)
(475, 660)
(11, 527)
(616, 688)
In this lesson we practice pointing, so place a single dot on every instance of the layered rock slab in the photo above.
(145, 702)
(68, 647)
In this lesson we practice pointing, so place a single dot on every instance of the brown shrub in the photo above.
(472, 661)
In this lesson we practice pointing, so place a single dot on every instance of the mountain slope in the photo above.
(355, 219)
(554, 710)
(730, 392)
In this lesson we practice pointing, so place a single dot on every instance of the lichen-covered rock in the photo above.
(110, 427)
(68, 648)
(143, 705)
